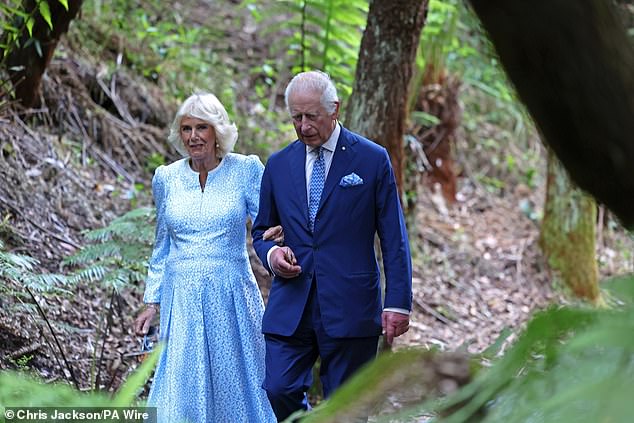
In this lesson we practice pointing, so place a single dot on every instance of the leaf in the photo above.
(495, 348)
(64, 3)
(129, 390)
(29, 25)
(423, 118)
(409, 373)
(45, 11)
(9, 28)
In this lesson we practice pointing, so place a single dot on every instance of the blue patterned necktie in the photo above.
(317, 180)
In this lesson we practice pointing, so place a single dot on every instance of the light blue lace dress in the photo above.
(212, 365)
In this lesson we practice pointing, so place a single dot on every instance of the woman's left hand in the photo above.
(276, 233)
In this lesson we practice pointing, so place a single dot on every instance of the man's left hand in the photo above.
(394, 324)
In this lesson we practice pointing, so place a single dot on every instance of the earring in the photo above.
(217, 146)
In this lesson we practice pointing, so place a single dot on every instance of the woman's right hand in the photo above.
(275, 234)
(144, 320)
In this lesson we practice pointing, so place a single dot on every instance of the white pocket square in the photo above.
(351, 180)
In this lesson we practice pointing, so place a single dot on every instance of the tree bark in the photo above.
(26, 65)
(572, 64)
(378, 104)
(568, 233)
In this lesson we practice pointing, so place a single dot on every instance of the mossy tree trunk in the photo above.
(568, 233)
(378, 104)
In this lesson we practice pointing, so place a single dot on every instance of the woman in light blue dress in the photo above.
(212, 365)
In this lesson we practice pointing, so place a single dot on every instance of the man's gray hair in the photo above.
(314, 81)
(207, 107)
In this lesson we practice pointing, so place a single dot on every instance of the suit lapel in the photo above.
(341, 160)
(297, 164)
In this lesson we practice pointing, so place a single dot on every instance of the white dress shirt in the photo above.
(329, 150)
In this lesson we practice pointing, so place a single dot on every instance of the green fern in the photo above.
(19, 272)
(118, 254)
(324, 34)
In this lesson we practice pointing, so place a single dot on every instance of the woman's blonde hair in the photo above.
(207, 107)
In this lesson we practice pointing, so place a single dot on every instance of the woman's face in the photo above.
(199, 138)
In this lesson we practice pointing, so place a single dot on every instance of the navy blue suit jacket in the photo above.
(340, 255)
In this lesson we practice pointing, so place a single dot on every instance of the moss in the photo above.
(568, 234)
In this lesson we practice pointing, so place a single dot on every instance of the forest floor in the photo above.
(478, 268)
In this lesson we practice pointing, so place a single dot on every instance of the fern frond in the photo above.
(140, 213)
(328, 37)
(45, 282)
(91, 273)
(17, 260)
(95, 253)
(119, 253)
(116, 280)
(17, 272)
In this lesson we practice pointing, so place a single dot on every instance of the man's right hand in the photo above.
(284, 264)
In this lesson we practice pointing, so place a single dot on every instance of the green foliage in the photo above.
(370, 386)
(129, 391)
(323, 34)
(20, 390)
(154, 160)
(570, 364)
(437, 41)
(301, 35)
(22, 362)
(118, 254)
(14, 21)
(164, 44)
(495, 123)
(22, 271)
(45, 11)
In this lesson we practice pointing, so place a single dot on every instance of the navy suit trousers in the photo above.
(290, 359)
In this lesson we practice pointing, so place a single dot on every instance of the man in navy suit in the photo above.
(331, 190)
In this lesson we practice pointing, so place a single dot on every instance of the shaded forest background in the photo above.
(83, 157)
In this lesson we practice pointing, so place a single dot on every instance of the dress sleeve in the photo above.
(161, 240)
(254, 178)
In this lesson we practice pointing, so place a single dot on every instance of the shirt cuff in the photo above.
(397, 310)
(268, 257)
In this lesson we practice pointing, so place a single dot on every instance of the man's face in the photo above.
(313, 124)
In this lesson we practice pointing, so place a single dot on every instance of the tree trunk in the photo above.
(568, 233)
(25, 63)
(378, 104)
(572, 64)
(439, 97)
